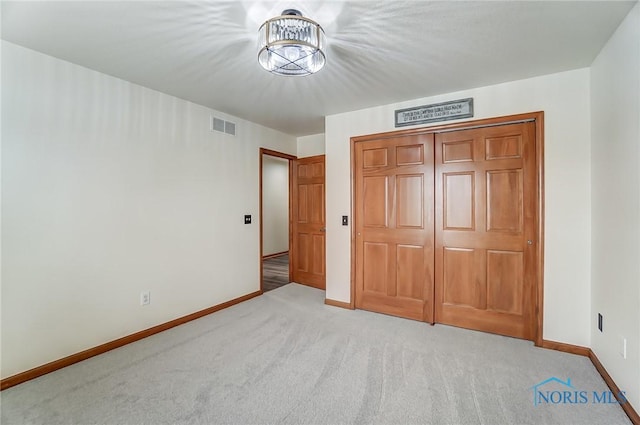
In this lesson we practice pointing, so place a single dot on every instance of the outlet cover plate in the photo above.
(145, 298)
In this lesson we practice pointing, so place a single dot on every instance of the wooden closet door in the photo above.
(393, 199)
(485, 263)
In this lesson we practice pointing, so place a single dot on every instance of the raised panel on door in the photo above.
(410, 202)
(316, 201)
(411, 272)
(503, 147)
(302, 170)
(374, 201)
(394, 247)
(318, 253)
(302, 265)
(484, 267)
(410, 155)
(375, 259)
(459, 201)
(457, 151)
(303, 204)
(308, 259)
(317, 170)
(505, 281)
(374, 158)
(505, 192)
(463, 284)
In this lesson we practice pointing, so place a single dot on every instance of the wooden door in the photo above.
(486, 229)
(308, 256)
(394, 243)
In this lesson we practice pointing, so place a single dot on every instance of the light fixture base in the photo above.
(291, 12)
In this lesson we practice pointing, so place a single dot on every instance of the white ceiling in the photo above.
(379, 51)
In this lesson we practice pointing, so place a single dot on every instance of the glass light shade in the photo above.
(291, 45)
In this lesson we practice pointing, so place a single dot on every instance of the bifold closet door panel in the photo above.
(485, 203)
(394, 223)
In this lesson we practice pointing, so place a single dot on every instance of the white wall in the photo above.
(564, 98)
(108, 189)
(615, 162)
(275, 205)
(311, 145)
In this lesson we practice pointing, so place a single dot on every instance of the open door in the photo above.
(308, 222)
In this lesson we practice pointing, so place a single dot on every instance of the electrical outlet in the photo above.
(145, 298)
(623, 347)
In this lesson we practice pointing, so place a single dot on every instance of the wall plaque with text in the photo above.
(444, 111)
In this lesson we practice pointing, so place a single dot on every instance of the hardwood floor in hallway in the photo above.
(275, 272)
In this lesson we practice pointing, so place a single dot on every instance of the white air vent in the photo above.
(223, 126)
(230, 128)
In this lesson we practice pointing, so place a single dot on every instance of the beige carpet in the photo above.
(286, 358)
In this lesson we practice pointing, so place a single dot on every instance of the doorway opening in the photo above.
(275, 219)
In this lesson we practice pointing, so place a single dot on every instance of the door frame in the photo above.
(290, 159)
(536, 117)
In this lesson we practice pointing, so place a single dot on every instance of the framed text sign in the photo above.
(444, 111)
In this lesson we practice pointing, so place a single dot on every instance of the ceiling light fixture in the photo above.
(291, 44)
